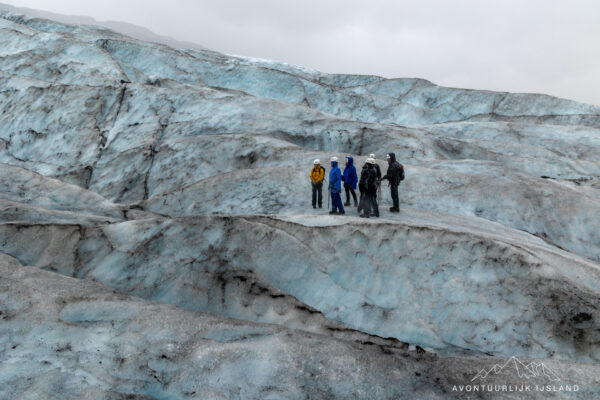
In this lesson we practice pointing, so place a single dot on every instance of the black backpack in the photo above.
(396, 173)
(371, 180)
(324, 171)
(364, 180)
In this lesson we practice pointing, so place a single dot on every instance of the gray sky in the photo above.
(541, 46)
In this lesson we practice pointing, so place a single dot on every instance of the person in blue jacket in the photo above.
(350, 180)
(335, 187)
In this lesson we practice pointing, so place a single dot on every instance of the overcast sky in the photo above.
(541, 46)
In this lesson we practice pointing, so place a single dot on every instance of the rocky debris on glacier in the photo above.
(181, 177)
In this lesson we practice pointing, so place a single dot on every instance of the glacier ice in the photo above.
(172, 184)
(65, 338)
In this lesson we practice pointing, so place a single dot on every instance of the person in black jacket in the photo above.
(368, 187)
(373, 185)
(394, 175)
(362, 188)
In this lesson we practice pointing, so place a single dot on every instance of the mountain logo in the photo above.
(527, 371)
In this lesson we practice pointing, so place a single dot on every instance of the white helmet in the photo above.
(370, 160)
(334, 158)
(387, 156)
(372, 156)
(317, 161)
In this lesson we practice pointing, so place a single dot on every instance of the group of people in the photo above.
(368, 184)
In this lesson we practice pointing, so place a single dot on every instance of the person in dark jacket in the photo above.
(362, 188)
(350, 180)
(372, 186)
(335, 187)
(368, 187)
(317, 174)
(394, 175)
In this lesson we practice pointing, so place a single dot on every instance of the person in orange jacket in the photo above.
(317, 174)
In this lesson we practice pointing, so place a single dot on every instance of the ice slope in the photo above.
(63, 338)
(26, 190)
(463, 282)
(138, 140)
(166, 150)
(181, 177)
(136, 31)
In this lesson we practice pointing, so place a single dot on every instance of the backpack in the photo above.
(371, 180)
(323, 169)
(364, 178)
(396, 173)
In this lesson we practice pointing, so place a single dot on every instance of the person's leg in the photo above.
(333, 202)
(374, 204)
(338, 200)
(320, 194)
(395, 199)
(347, 189)
(366, 205)
(314, 195)
(354, 197)
(360, 203)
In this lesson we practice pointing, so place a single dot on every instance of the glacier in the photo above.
(157, 239)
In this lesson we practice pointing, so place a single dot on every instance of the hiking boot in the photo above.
(333, 212)
(314, 206)
(363, 216)
(347, 203)
(394, 209)
(355, 204)
(341, 213)
(320, 206)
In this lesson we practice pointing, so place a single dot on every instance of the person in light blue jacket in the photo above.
(335, 187)
(350, 180)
